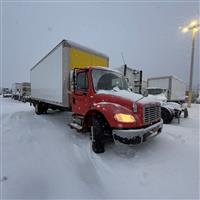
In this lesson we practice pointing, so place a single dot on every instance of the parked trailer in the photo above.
(25, 91)
(69, 78)
(16, 90)
(134, 77)
(175, 87)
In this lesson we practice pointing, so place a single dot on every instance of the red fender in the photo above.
(108, 110)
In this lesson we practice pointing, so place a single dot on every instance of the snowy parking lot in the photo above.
(42, 158)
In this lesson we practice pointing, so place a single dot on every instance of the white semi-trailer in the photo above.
(134, 78)
(174, 87)
(16, 90)
(25, 91)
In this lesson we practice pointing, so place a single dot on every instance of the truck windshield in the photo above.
(107, 80)
(155, 91)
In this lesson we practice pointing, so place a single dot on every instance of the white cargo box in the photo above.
(50, 76)
(16, 87)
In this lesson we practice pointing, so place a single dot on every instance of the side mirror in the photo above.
(145, 93)
(130, 89)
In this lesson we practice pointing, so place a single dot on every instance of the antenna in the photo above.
(122, 54)
(125, 66)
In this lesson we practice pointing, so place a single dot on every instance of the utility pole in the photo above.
(191, 70)
(193, 27)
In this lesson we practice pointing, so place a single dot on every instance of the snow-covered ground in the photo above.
(43, 158)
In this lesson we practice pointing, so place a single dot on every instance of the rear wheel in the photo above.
(185, 113)
(61, 109)
(98, 131)
(44, 109)
(38, 108)
(166, 115)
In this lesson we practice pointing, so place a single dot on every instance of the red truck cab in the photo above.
(101, 102)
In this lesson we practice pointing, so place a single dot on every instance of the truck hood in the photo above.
(159, 97)
(122, 97)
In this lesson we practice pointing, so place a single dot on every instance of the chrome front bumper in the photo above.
(137, 136)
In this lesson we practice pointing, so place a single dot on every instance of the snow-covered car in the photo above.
(6, 92)
(7, 95)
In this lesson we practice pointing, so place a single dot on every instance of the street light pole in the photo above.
(194, 27)
(191, 69)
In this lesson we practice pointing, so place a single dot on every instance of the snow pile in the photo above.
(43, 158)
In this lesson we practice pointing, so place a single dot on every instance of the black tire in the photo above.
(53, 108)
(98, 130)
(44, 109)
(38, 108)
(166, 115)
(185, 113)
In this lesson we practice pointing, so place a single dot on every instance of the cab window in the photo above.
(82, 81)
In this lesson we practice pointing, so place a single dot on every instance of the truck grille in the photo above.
(151, 113)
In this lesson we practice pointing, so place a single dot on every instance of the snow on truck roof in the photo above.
(105, 68)
(68, 43)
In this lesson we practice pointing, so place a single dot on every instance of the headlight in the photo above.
(125, 118)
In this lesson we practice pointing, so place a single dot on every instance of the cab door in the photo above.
(80, 98)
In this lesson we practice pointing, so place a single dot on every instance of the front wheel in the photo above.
(166, 115)
(97, 133)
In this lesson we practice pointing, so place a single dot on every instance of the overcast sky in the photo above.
(147, 33)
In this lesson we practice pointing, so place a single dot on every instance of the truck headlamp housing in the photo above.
(125, 118)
